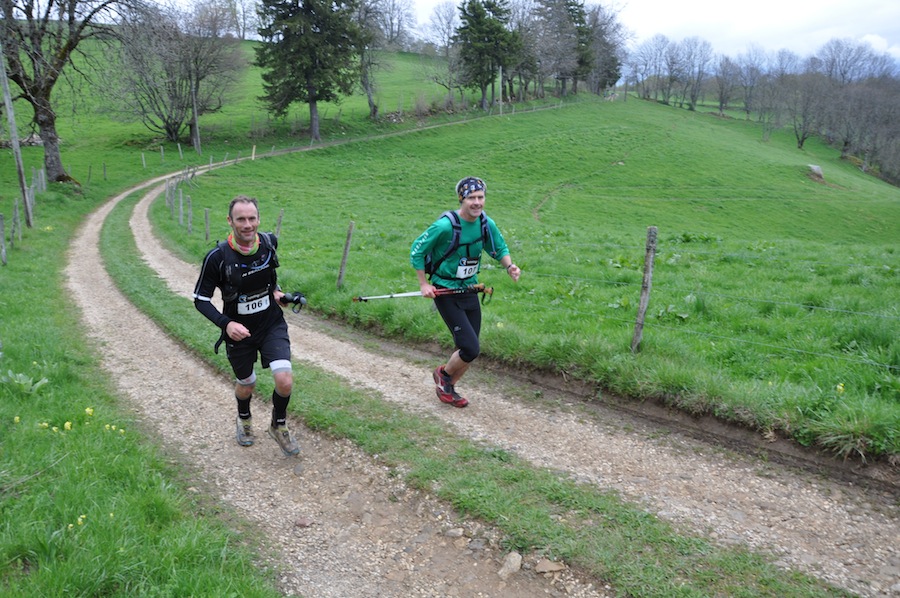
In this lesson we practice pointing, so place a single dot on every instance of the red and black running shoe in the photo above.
(444, 389)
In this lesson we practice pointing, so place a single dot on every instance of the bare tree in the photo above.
(525, 68)
(646, 65)
(727, 74)
(442, 26)
(242, 16)
(557, 42)
(845, 61)
(371, 40)
(784, 63)
(698, 55)
(879, 143)
(804, 96)
(769, 97)
(175, 66)
(674, 70)
(752, 68)
(40, 40)
(397, 20)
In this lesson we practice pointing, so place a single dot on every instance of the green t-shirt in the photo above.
(461, 268)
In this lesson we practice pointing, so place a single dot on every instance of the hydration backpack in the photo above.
(431, 265)
(232, 269)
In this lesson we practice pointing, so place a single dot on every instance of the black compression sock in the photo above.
(243, 406)
(279, 408)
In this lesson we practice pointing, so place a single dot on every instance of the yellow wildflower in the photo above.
(67, 425)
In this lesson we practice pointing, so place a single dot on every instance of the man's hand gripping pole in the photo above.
(297, 298)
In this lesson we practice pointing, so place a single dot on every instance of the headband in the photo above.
(467, 185)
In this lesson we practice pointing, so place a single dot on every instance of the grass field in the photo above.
(774, 305)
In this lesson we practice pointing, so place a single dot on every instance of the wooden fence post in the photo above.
(2, 241)
(16, 224)
(278, 224)
(206, 221)
(645, 289)
(340, 280)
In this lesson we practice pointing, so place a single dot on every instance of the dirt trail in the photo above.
(342, 527)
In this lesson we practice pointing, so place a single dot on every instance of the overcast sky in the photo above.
(802, 26)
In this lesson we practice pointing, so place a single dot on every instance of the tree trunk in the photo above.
(314, 120)
(195, 135)
(46, 121)
(370, 95)
(195, 122)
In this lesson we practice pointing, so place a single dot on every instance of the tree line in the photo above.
(169, 64)
(845, 93)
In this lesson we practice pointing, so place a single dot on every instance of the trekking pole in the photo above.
(475, 288)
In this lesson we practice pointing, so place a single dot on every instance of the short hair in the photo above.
(242, 199)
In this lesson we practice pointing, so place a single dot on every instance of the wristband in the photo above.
(509, 266)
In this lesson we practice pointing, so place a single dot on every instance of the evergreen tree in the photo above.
(483, 41)
(310, 53)
(583, 55)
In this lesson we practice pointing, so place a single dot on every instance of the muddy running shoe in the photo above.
(283, 437)
(245, 435)
(445, 391)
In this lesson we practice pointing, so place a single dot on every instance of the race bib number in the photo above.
(247, 305)
(467, 267)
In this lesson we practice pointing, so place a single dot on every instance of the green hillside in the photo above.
(773, 306)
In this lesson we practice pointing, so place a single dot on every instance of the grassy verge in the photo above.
(535, 508)
(88, 505)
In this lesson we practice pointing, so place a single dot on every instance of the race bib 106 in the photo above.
(247, 305)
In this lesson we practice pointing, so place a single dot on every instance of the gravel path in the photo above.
(342, 527)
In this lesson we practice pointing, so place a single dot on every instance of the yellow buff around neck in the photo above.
(244, 249)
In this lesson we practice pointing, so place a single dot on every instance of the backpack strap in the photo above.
(487, 236)
(432, 266)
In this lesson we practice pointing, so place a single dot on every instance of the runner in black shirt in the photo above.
(252, 323)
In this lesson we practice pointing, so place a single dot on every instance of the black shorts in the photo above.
(270, 345)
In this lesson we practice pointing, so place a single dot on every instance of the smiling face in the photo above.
(244, 221)
(471, 207)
